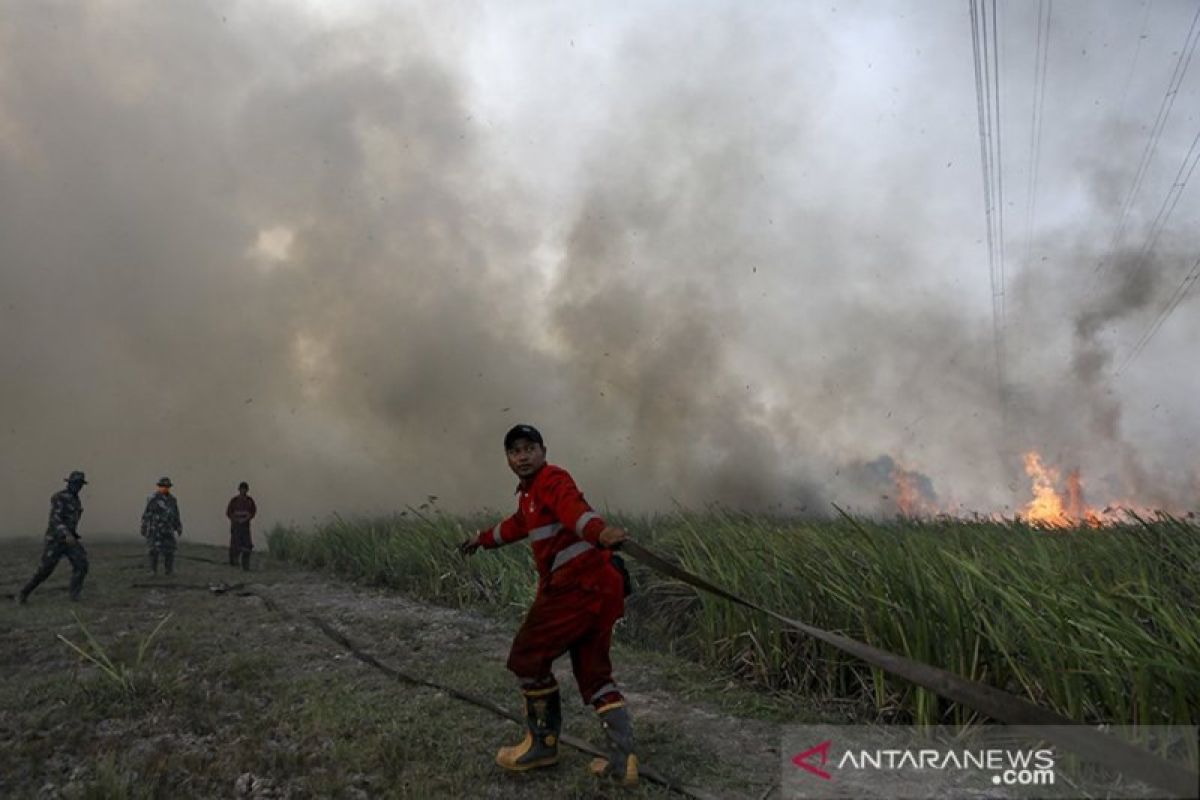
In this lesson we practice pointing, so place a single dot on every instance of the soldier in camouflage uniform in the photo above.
(160, 526)
(62, 539)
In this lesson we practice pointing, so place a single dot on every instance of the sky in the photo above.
(717, 252)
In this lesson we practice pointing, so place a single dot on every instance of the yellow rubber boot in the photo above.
(621, 764)
(539, 748)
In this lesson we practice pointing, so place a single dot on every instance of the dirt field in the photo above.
(232, 699)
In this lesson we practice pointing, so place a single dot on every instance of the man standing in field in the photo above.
(62, 539)
(580, 596)
(240, 510)
(160, 526)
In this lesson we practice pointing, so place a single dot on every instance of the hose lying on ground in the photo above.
(995, 703)
(354, 649)
(1001, 706)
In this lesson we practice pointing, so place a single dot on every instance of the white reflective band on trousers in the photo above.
(603, 690)
(567, 553)
(496, 540)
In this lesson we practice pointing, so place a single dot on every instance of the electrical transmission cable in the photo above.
(985, 47)
(1045, 9)
(1160, 121)
(1137, 51)
(1176, 299)
(1186, 168)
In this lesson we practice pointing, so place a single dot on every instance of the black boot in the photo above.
(169, 561)
(245, 560)
(154, 561)
(233, 557)
(543, 720)
(622, 763)
(27, 589)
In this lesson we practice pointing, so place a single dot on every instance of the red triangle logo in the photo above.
(822, 750)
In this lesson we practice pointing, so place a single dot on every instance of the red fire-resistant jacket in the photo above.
(238, 503)
(563, 528)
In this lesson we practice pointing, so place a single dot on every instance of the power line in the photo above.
(1159, 223)
(998, 171)
(1182, 175)
(984, 153)
(1177, 297)
(987, 96)
(1160, 121)
(1137, 51)
(1035, 125)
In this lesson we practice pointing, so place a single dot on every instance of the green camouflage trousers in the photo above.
(56, 548)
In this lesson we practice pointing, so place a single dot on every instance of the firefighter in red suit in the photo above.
(580, 595)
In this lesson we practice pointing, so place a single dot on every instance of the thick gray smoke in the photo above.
(730, 256)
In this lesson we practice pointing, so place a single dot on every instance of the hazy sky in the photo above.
(717, 251)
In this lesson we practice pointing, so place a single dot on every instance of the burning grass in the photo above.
(1101, 624)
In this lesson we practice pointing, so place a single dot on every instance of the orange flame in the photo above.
(910, 500)
(907, 496)
(1046, 508)
(1058, 501)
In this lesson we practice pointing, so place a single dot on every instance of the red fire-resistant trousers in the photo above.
(577, 616)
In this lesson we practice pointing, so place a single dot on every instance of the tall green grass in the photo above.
(1102, 625)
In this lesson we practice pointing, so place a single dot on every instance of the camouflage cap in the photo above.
(75, 477)
(164, 481)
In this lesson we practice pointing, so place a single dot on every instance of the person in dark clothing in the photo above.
(62, 539)
(240, 510)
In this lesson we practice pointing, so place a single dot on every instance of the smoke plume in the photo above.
(724, 257)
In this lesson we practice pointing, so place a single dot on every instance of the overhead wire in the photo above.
(1164, 111)
(1182, 175)
(1137, 51)
(985, 46)
(1045, 10)
(1186, 168)
(1177, 297)
(998, 166)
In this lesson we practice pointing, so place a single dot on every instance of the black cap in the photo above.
(76, 477)
(165, 481)
(522, 432)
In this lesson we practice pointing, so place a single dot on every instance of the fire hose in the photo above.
(996, 704)
(362, 655)
(999, 705)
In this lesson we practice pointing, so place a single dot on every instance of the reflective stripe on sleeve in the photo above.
(583, 520)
